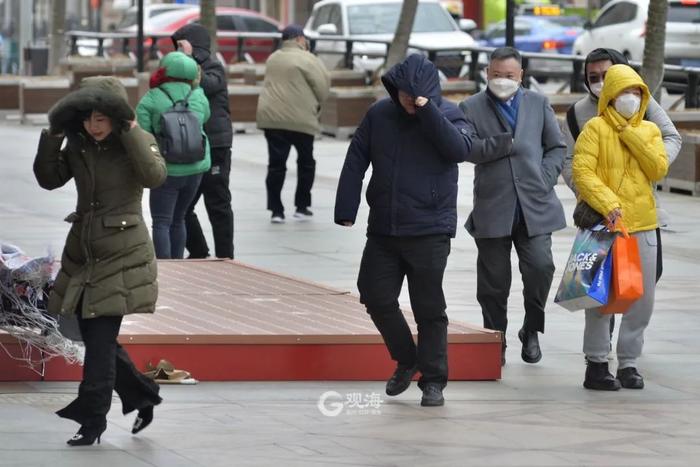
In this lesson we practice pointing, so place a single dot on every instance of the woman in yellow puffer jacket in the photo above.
(617, 158)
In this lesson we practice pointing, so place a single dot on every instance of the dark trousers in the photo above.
(217, 200)
(107, 367)
(169, 203)
(422, 260)
(493, 273)
(279, 143)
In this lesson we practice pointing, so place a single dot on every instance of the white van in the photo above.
(377, 19)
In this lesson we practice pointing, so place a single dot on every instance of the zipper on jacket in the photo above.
(91, 215)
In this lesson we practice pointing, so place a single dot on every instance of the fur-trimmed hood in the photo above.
(105, 94)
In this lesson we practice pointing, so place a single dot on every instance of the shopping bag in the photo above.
(588, 255)
(600, 287)
(627, 284)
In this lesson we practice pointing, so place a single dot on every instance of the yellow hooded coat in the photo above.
(616, 160)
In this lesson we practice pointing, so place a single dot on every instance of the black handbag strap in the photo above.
(572, 122)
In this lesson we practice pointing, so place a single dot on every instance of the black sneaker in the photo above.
(432, 395)
(599, 378)
(630, 378)
(303, 214)
(400, 380)
(277, 218)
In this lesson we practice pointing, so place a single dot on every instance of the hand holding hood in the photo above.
(106, 94)
(416, 76)
(198, 36)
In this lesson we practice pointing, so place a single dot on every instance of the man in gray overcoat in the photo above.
(514, 198)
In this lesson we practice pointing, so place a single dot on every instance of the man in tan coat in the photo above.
(296, 83)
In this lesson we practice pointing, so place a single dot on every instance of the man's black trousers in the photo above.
(422, 260)
(493, 277)
(279, 143)
(217, 199)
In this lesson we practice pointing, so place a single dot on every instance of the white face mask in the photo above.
(627, 104)
(596, 88)
(503, 88)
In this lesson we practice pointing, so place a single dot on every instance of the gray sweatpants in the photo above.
(596, 336)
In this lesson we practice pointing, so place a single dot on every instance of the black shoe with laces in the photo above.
(630, 378)
(432, 395)
(400, 380)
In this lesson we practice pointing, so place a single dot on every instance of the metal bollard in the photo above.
(240, 56)
(474, 69)
(575, 82)
(691, 93)
(348, 55)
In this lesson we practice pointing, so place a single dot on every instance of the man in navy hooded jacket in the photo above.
(414, 140)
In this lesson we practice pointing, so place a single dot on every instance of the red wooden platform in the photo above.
(226, 321)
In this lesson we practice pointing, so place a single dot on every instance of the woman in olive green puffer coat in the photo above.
(108, 266)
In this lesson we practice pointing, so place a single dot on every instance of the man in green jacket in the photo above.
(296, 83)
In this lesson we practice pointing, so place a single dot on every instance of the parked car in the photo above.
(621, 24)
(130, 18)
(537, 34)
(88, 47)
(227, 20)
(377, 19)
(534, 34)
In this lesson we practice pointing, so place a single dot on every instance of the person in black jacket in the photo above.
(193, 39)
(414, 141)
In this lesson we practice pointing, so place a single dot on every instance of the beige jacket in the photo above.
(296, 83)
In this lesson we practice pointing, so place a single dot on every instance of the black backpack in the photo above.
(180, 138)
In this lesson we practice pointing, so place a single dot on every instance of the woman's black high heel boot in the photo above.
(87, 434)
(143, 419)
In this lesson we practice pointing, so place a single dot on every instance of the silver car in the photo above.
(621, 25)
(377, 20)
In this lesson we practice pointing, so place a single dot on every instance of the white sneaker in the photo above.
(303, 214)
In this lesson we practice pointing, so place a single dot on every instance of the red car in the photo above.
(227, 20)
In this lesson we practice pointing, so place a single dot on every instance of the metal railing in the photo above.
(677, 78)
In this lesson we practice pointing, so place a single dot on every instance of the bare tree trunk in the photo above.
(653, 65)
(399, 46)
(207, 17)
(57, 38)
